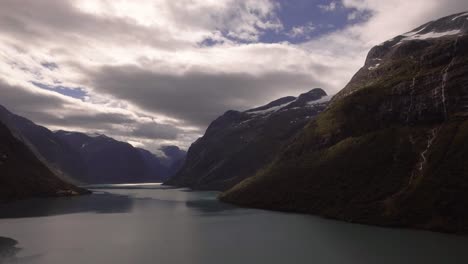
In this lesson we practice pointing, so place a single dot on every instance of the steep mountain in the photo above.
(62, 158)
(237, 144)
(391, 148)
(174, 158)
(110, 161)
(82, 158)
(23, 175)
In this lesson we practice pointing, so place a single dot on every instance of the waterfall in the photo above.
(445, 77)
(430, 141)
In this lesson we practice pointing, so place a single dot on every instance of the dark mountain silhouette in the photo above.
(86, 159)
(23, 175)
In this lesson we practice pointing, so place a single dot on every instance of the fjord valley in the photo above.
(260, 131)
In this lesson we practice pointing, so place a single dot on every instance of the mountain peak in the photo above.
(450, 26)
(441, 40)
(289, 102)
(275, 103)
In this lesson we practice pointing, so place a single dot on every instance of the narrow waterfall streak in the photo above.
(430, 141)
(445, 78)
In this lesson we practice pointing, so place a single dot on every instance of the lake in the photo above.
(150, 223)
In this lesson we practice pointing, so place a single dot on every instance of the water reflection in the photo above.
(210, 206)
(160, 225)
(102, 203)
(130, 186)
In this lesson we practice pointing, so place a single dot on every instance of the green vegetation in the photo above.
(381, 153)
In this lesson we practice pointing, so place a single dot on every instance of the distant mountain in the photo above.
(110, 161)
(175, 158)
(23, 175)
(86, 159)
(237, 144)
(391, 148)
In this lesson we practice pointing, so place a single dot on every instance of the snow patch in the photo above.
(462, 15)
(371, 68)
(269, 110)
(322, 100)
(429, 35)
(412, 33)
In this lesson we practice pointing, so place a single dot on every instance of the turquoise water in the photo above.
(153, 224)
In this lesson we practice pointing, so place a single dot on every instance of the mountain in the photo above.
(82, 158)
(23, 175)
(392, 147)
(61, 157)
(175, 158)
(237, 144)
(110, 161)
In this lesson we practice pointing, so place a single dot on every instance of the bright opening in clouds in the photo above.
(156, 72)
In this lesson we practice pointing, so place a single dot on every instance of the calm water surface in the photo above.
(153, 224)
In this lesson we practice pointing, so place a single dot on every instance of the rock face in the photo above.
(23, 175)
(392, 147)
(237, 144)
(85, 159)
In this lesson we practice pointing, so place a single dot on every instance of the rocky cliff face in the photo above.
(392, 147)
(23, 175)
(85, 159)
(237, 144)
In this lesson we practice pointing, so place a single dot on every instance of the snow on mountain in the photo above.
(324, 99)
(311, 98)
(269, 110)
(462, 15)
(428, 35)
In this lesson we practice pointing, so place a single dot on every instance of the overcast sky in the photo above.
(156, 72)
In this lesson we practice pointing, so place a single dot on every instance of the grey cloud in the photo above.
(52, 111)
(24, 102)
(92, 121)
(50, 65)
(155, 131)
(197, 97)
(58, 20)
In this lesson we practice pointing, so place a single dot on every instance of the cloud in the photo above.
(301, 31)
(156, 72)
(155, 131)
(59, 112)
(328, 7)
(196, 97)
(50, 65)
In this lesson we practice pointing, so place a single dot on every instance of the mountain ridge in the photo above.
(23, 175)
(88, 159)
(237, 144)
(391, 147)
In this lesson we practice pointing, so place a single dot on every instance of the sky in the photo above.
(157, 72)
